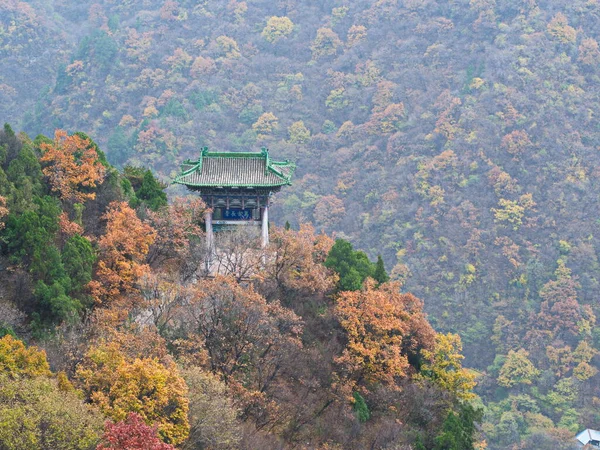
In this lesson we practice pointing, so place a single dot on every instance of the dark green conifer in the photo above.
(380, 274)
(360, 407)
(151, 192)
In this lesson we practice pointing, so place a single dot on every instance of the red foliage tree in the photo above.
(131, 434)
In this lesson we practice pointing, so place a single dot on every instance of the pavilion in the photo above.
(237, 187)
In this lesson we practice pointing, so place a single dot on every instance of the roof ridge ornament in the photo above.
(264, 151)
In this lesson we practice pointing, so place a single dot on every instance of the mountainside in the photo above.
(458, 139)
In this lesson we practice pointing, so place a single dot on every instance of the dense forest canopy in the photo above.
(458, 139)
(107, 311)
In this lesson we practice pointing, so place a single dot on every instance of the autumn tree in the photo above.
(517, 369)
(16, 360)
(356, 34)
(387, 120)
(131, 434)
(295, 260)
(326, 43)
(213, 418)
(277, 28)
(202, 66)
(559, 29)
(385, 329)
(517, 143)
(560, 312)
(443, 365)
(266, 125)
(36, 413)
(3, 211)
(589, 54)
(119, 385)
(122, 252)
(246, 337)
(74, 168)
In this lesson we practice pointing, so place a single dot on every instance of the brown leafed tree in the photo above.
(295, 261)
(245, 336)
(73, 166)
(179, 243)
(250, 343)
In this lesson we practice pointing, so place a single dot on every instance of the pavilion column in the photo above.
(265, 226)
(209, 233)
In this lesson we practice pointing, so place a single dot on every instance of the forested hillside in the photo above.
(107, 314)
(459, 139)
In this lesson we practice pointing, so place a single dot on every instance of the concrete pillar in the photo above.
(265, 226)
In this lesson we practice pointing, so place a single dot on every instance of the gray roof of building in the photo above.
(588, 435)
(235, 169)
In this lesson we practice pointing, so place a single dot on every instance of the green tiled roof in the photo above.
(235, 169)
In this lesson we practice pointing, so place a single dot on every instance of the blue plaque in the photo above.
(237, 214)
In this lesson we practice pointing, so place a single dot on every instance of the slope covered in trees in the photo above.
(130, 344)
(458, 139)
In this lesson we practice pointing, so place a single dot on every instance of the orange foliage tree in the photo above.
(122, 252)
(384, 329)
(74, 167)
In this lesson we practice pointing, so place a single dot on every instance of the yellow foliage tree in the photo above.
(513, 211)
(356, 34)
(229, 47)
(18, 360)
(326, 43)
(119, 385)
(517, 369)
(443, 366)
(277, 28)
(298, 133)
(266, 124)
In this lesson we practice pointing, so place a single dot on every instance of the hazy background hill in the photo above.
(459, 139)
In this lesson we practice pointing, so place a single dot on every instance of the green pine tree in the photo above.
(360, 407)
(380, 274)
(152, 192)
(352, 266)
